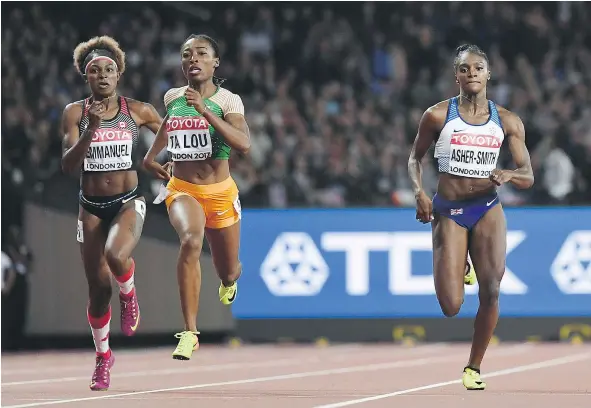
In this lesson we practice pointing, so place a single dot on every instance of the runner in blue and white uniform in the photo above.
(466, 216)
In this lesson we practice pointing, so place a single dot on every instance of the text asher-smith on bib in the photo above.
(473, 155)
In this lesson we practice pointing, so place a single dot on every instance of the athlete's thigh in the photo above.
(225, 246)
(126, 228)
(92, 248)
(488, 245)
(187, 216)
(450, 252)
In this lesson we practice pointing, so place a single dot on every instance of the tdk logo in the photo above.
(295, 266)
(571, 269)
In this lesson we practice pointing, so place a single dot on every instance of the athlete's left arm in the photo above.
(148, 116)
(233, 128)
(523, 176)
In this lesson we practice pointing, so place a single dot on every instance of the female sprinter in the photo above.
(203, 122)
(100, 135)
(468, 131)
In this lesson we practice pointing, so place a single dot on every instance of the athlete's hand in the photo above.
(157, 170)
(195, 99)
(97, 112)
(424, 208)
(168, 168)
(500, 176)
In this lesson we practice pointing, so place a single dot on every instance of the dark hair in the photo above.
(216, 50)
(103, 45)
(470, 48)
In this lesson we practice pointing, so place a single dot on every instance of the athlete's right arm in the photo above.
(428, 129)
(74, 144)
(160, 142)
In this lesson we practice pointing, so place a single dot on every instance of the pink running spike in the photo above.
(130, 313)
(101, 378)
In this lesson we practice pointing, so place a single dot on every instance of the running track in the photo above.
(518, 375)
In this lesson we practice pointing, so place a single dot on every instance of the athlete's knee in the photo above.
(191, 243)
(489, 292)
(451, 305)
(116, 258)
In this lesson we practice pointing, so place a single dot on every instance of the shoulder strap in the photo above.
(85, 107)
(124, 105)
(452, 110)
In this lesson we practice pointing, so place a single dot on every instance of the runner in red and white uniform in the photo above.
(100, 136)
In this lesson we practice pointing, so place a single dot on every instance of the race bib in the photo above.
(109, 150)
(80, 232)
(473, 155)
(189, 138)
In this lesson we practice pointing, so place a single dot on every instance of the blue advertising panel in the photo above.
(377, 263)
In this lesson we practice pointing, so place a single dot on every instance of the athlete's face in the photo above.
(102, 76)
(198, 60)
(472, 73)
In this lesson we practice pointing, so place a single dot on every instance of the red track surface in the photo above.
(520, 375)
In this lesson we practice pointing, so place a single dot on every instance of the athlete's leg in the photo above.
(92, 240)
(124, 234)
(225, 247)
(450, 250)
(188, 219)
(487, 250)
(223, 235)
(98, 274)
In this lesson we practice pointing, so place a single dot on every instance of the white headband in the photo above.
(98, 58)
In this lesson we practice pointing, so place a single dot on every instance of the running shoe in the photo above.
(228, 293)
(470, 275)
(471, 380)
(101, 378)
(188, 343)
(130, 313)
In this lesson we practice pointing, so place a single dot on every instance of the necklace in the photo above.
(463, 96)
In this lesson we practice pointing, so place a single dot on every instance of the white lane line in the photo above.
(218, 367)
(249, 351)
(305, 374)
(145, 373)
(518, 369)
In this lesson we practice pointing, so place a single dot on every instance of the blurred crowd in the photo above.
(17, 260)
(333, 96)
